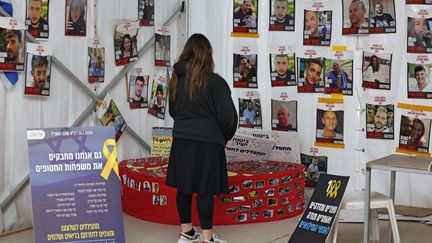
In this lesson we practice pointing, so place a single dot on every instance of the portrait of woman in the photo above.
(370, 72)
(416, 137)
(419, 33)
(126, 46)
(76, 18)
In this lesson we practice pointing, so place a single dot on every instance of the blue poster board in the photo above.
(75, 185)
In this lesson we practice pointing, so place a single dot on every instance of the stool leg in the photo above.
(393, 222)
(374, 225)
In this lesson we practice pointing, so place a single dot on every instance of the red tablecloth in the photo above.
(259, 191)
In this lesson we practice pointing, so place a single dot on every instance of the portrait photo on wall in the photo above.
(282, 70)
(138, 89)
(419, 84)
(76, 17)
(250, 113)
(338, 76)
(284, 115)
(245, 16)
(125, 43)
(37, 18)
(158, 97)
(12, 49)
(329, 126)
(310, 75)
(282, 15)
(419, 29)
(382, 16)
(419, 2)
(109, 115)
(317, 28)
(414, 134)
(314, 167)
(162, 47)
(38, 70)
(380, 121)
(146, 12)
(376, 70)
(245, 70)
(355, 17)
(96, 67)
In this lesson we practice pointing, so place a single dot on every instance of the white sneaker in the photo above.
(185, 238)
(215, 240)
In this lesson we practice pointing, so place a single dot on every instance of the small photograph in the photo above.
(268, 213)
(282, 70)
(317, 28)
(109, 115)
(38, 75)
(138, 91)
(163, 200)
(280, 211)
(76, 17)
(314, 167)
(259, 184)
(339, 76)
(252, 194)
(239, 199)
(285, 201)
(355, 17)
(290, 208)
(284, 115)
(155, 187)
(241, 217)
(233, 189)
(231, 210)
(419, 35)
(414, 134)
(257, 203)
(225, 199)
(146, 12)
(286, 179)
(281, 190)
(282, 15)
(377, 70)
(250, 113)
(379, 121)
(269, 192)
(162, 49)
(244, 208)
(12, 49)
(247, 184)
(158, 97)
(254, 215)
(125, 43)
(300, 194)
(96, 67)
(146, 186)
(419, 81)
(245, 71)
(310, 75)
(329, 126)
(272, 202)
(37, 18)
(245, 16)
(382, 16)
(155, 200)
(296, 185)
(274, 181)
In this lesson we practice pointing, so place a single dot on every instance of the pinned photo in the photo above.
(380, 121)
(329, 126)
(377, 70)
(231, 210)
(282, 15)
(76, 17)
(338, 76)
(314, 167)
(419, 81)
(241, 218)
(245, 71)
(382, 16)
(284, 115)
(317, 28)
(12, 49)
(414, 134)
(125, 43)
(282, 70)
(38, 72)
(37, 18)
(259, 184)
(158, 97)
(138, 91)
(162, 47)
(272, 201)
(146, 12)
(245, 16)
(96, 66)
(355, 17)
(310, 76)
(268, 213)
(109, 115)
(250, 113)
(254, 215)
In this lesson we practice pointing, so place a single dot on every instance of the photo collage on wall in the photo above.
(38, 72)
(75, 17)
(314, 166)
(137, 84)
(419, 84)
(12, 31)
(125, 43)
(250, 113)
(380, 117)
(245, 16)
(37, 18)
(282, 15)
(245, 62)
(159, 96)
(330, 122)
(283, 112)
(96, 66)
(368, 17)
(282, 66)
(415, 129)
(377, 68)
(317, 24)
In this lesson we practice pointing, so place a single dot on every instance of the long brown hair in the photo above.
(198, 55)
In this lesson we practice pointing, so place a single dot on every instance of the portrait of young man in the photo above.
(245, 18)
(355, 17)
(37, 24)
(38, 78)
(14, 46)
(281, 15)
(310, 75)
(138, 88)
(281, 75)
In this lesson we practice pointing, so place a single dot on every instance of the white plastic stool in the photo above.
(355, 200)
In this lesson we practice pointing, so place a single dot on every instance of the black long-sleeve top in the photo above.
(212, 117)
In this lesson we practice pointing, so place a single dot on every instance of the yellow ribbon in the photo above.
(111, 157)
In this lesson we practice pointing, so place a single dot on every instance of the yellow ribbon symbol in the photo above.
(111, 157)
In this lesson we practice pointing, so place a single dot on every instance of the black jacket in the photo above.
(212, 117)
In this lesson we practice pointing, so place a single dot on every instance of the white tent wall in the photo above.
(67, 100)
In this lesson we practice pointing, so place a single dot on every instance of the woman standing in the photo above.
(204, 120)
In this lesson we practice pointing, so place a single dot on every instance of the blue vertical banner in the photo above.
(75, 185)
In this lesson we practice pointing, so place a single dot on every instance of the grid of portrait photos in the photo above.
(137, 89)
(245, 16)
(379, 119)
(250, 115)
(159, 96)
(317, 26)
(162, 47)
(96, 66)
(146, 12)
(109, 115)
(314, 166)
(38, 72)
(282, 66)
(282, 15)
(419, 84)
(37, 18)
(75, 17)
(245, 62)
(12, 44)
(368, 17)
(376, 70)
(284, 115)
(125, 43)
(330, 123)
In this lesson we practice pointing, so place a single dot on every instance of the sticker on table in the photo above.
(268, 213)
(241, 218)
(257, 203)
(254, 215)
(231, 210)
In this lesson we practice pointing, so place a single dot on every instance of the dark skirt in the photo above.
(197, 167)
